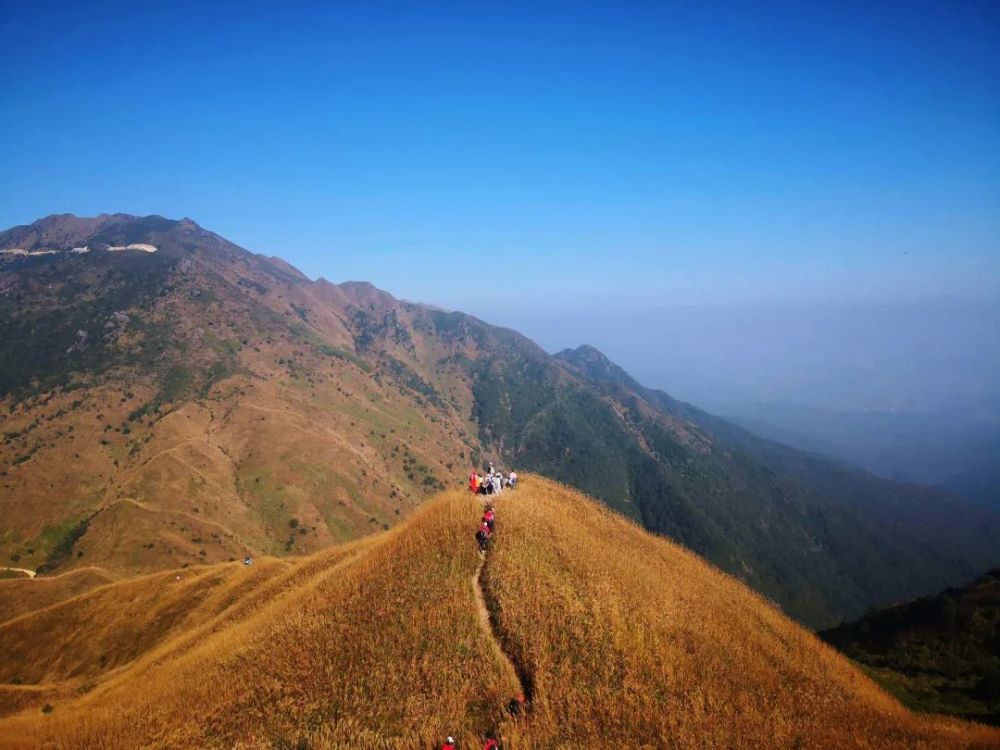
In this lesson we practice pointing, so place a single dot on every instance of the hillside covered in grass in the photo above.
(619, 637)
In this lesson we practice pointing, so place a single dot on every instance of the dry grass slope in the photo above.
(21, 595)
(379, 639)
(626, 638)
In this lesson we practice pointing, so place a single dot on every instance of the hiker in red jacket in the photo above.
(491, 744)
(488, 518)
(483, 536)
(449, 744)
(474, 483)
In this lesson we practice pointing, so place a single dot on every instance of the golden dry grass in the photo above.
(379, 637)
(221, 475)
(628, 640)
(21, 595)
(628, 636)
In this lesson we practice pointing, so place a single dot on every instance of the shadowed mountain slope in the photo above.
(938, 653)
(837, 524)
(626, 638)
(169, 398)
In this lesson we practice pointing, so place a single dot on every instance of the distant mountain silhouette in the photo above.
(957, 448)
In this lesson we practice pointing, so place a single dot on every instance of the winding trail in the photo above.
(486, 623)
(26, 571)
(514, 674)
(165, 452)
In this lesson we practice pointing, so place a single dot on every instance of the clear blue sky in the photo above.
(610, 155)
(708, 151)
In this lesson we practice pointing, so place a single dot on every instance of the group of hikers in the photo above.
(493, 483)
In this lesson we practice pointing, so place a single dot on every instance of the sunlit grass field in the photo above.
(626, 639)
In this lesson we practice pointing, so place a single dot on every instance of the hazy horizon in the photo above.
(841, 358)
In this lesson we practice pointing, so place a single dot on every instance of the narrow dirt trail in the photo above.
(512, 674)
(510, 671)
(26, 571)
(183, 513)
(95, 568)
(165, 452)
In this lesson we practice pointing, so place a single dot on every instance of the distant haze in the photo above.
(906, 357)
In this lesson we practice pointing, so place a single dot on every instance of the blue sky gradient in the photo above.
(606, 156)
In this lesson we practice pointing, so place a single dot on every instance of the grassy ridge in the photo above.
(382, 642)
(631, 637)
(625, 638)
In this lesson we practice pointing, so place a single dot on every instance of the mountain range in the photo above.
(955, 447)
(170, 399)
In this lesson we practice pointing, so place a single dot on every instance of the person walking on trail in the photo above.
(483, 536)
(474, 482)
(449, 744)
(488, 517)
(512, 480)
(491, 744)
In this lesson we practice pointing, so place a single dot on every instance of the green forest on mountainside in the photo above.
(939, 653)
